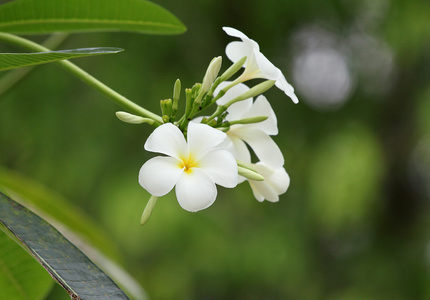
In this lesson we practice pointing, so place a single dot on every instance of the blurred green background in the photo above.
(355, 222)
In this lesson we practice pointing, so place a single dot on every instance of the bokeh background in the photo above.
(355, 222)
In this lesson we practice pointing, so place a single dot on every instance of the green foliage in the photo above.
(47, 16)
(65, 263)
(79, 227)
(16, 60)
(344, 180)
(21, 277)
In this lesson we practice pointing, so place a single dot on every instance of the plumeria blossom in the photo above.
(256, 65)
(276, 182)
(256, 135)
(192, 166)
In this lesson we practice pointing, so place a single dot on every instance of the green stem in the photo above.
(84, 76)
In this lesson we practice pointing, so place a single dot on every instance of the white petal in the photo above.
(159, 175)
(288, 89)
(202, 137)
(167, 139)
(238, 147)
(268, 70)
(236, 50)
(263, 146)
(195, 190)
(236, 111)
(221, 167)
(261, 107)
(232, 93)
(262, 190)
(234, 32)
(276, 182)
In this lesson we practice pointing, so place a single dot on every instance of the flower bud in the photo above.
(148, 210)
(250, 174)
(166, 107)
(133, 119)
(233, 69)
(211, 74)
(252, 92)
(251, 120)
(176, 96)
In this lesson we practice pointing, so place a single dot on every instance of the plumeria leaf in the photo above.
(16, 60)
(46, 16)
(78, 275)
(21, 277)
(73, 223)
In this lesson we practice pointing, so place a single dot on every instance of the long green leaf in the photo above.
(76, 225)
(47, 16)
(64, 261)
(21, 277)
(16, 60)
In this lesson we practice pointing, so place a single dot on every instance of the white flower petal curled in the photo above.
(276, 182)
(194, 167)
(256, 65)
(261, 107)
(256, 135)
(262, 144)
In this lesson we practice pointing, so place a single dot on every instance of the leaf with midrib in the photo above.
(47, 16)
(64, 261)
(16, 60)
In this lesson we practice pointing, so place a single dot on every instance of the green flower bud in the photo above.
(233, 69)
(211, 74)
(176, 96)
(250, 174)
(251, 120)
(133, 119)
(252, 92)
(166, 107)
(148, 210)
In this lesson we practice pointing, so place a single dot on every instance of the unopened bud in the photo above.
(176, 94)
(211, 74)
(133, 119)
(254, 91)
(148, 210)
(166, 107)
(250, 174)
(233, 69)
(250, 120)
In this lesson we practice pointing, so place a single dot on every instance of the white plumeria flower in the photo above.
(276, 182)
(256, 135)
(256, 64)
(193, 166)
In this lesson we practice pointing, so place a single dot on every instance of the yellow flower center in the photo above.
(188, 163)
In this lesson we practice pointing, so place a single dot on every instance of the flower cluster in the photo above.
(201, 152)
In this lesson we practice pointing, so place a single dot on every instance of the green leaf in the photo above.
(21, 277)
(16, 60)
(75, 224)
(80, 277)
(47, 16)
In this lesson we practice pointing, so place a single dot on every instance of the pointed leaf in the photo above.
(65, 262)
(47, 16)
(73, 223)
(21, 277)
(17, 60)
